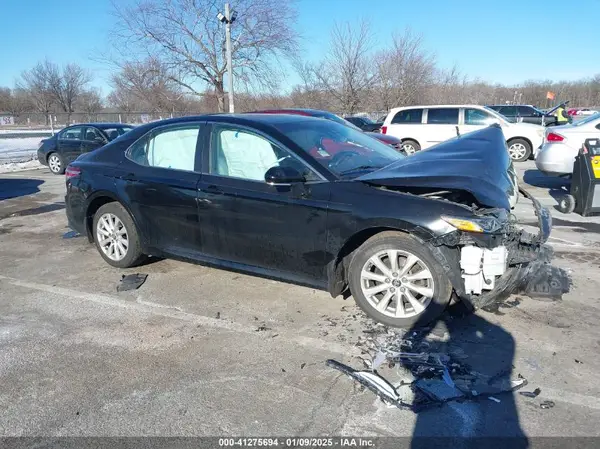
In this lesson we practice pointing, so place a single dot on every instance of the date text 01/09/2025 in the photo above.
(297, 442)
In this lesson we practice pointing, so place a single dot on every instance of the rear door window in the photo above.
(408, 116)
(172, 147)
(442, 116)
(526, 111)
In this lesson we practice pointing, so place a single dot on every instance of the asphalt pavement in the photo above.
(202, 351)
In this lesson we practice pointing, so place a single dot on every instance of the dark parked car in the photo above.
(65, 146)
(389, 140)
(526, 113)
(256, 192)
(364, 123)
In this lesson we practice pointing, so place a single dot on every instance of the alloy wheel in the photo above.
(112, 237)
(517, 151)
(397, 283)
(408, 148)
(54, 163)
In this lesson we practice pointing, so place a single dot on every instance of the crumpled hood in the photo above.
(477, 162)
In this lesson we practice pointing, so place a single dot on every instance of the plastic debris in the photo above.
(131, 282)
(547, 404)
(438, 390)
(378, 360)
(531, 394)
(549, 283)
(492, 398)
(578, 361)
(71, 235)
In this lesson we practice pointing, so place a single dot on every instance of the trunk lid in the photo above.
(477, 163)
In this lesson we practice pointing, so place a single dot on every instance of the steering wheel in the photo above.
(341, 157)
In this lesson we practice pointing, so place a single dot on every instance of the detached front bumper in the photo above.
(527, 253)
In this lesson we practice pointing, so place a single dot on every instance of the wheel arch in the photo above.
(337, 269)
(99, 199)
(526, 139)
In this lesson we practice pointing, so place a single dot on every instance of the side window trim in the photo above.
(450, 124)
(214, 126)
(150, 134)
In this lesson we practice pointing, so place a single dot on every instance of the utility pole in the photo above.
(229, 63)
(228, 18)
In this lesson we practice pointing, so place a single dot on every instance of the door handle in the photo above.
(212, 189)
(128, 177)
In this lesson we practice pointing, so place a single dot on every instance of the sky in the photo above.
(506, 41)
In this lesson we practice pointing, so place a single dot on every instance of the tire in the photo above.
(378, 246)
(566, 204)
(409, 147)
(133, 251)
(56, 163)
(519, 150)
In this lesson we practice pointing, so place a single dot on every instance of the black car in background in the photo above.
(525, 113)
(65, 146)
(262, 194)
(364, 123)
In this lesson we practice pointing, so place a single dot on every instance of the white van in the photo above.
(420, 127)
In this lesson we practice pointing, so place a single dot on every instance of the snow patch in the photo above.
(19, 149)
(9, 167)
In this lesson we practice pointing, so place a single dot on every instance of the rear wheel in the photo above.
(116, 236)
(410, 146)
(56, 163)
(519, 150)
(397, 281)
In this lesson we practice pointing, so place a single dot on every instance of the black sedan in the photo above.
(261, 194)
(364, 123)
(66, 145)
(517, 113)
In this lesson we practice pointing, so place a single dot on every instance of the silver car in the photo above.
(562, 143)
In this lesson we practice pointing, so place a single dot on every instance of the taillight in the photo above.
(383, 129)
(71, 171)
(553, 137)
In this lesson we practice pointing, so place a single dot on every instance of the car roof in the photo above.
(104, 125)
(429, 106)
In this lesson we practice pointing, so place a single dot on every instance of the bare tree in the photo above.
(347, 70)
(404, 71)
(90, 102)
(150, 83)
(37, 85)
(66, 85)
(189, 41)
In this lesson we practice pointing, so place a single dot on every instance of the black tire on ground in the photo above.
(61, 160)
(134, 254)
(527, 146)
(566, 204)
(400, 241)
(410, 142)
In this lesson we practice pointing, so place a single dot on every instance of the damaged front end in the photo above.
(488, 256)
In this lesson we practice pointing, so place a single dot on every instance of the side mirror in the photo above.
(283, 176)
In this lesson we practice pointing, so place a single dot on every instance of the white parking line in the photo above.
(178, 314)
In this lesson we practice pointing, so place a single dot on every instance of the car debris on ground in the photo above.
(131, 282)
(424, 376)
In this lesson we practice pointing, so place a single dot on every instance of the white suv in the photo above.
(420, 127)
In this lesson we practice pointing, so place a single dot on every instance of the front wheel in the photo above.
(410, 147)
(56, 163)
(519, 150)
(396, 281)
(116, 236)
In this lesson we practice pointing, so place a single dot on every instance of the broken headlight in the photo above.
(475, 224)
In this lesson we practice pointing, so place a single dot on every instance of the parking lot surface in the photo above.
(203, 351)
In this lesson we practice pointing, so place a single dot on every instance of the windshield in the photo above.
(343, 150)
(586, 120)
(117, 131)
